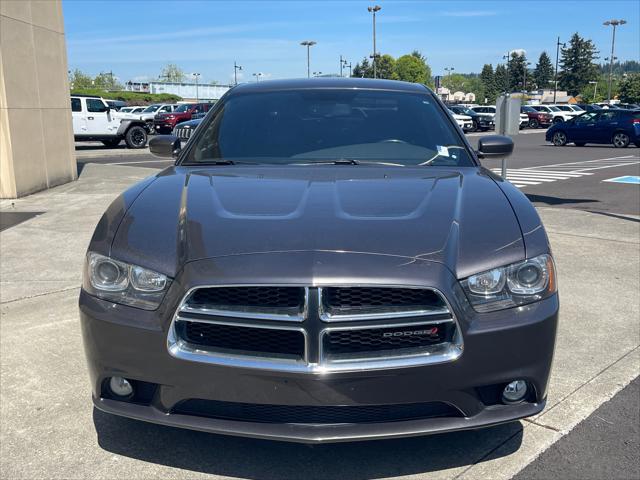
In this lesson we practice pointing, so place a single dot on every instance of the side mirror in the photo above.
(495, 146)
(165, 146)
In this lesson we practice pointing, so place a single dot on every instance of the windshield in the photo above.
(325, 126)
(554, 109)
(151, 109)
(183, 108)
(465, 111)
(528, 109)
(576, 108)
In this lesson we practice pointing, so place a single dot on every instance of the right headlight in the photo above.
(121, 282)
(512, 285)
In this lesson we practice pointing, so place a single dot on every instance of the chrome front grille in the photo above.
(184, 133)
(292, 328)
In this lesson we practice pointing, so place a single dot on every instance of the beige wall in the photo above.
(36, 133)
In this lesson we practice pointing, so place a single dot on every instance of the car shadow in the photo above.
(549, 200)
(264, 459)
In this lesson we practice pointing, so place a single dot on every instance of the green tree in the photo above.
(630, 88)
(386, 67)
(78, 79)
(516, 67)
(543, 73)
(487, 79)
(411, 68)
(455, 82)
(578, 67)
(107, 81)
(501, 79)
(363, 69)
(171, 73)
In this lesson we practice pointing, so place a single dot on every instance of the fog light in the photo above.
(120, 386)
(514, 392)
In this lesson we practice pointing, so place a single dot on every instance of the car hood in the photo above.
(458, 217)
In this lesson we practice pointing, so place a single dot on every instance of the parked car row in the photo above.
(615, 126)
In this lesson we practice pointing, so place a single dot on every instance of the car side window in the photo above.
(586, 118)
(166, 108)
(96, 106)
(76, 105)
(608, 116)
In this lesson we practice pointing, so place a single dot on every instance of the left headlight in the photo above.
(513, 285)
(121, 282)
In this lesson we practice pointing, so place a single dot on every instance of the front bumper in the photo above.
(498, 348)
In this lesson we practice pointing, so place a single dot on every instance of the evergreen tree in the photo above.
(630, 89)
(578, 67)
(501, 79)
(543, 73)
(363, 69)
(385, 67)
(516, 67)
(488, 83)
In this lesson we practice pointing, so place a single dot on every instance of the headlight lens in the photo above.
(512, 285)
(121, 282)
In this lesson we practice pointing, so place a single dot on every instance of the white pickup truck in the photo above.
(94, 120)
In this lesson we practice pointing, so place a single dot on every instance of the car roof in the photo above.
(329, 83)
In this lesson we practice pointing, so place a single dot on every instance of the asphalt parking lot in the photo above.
(50, 429)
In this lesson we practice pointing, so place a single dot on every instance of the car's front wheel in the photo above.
(136, 137)
(559, 139)
(558, 120)
(533, 123)
(620, 140)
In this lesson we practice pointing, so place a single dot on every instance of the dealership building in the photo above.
(186, 90)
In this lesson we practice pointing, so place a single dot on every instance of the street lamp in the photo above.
(555, 76)
(524, 82)
(236, 67)
(257, 75)
(308, 44)
(614, 23)
(373, 10)
(507, 57)
(595, 89)
(343, 63)
(448, 74)
(196, 75)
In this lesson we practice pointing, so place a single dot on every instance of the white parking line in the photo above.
(522, 177)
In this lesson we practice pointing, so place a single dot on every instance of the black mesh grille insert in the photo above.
(371, 298)
(242, 339)
(329, 414)
(255, 297)
(391, 338)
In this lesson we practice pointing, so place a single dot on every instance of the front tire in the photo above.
(136, 137)
(558, 120)
(620, 140)
(533, 123)
(559, 139)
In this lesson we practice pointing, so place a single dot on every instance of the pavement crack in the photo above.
(39, 295)
(487, 455)
(548, 427)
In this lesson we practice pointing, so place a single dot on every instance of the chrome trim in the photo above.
(446, 352)
(331, 317)
(250, 314)
(439, 353)
(183, 350)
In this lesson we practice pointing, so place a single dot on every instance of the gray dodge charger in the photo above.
(327, 260)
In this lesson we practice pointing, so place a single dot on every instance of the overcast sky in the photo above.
(136, 38)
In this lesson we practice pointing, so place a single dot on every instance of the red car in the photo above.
(537, 119)
(164, 122)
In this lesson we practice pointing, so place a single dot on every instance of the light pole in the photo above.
(196, 75)
(555, 76)
(349, 69)
(595, 89)
(343, 63)
(614, 23)
(308, 44)
(524, 82)
(374, 9)
(507, 57)
(236, 67)
(448, 75)
(257, 75)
